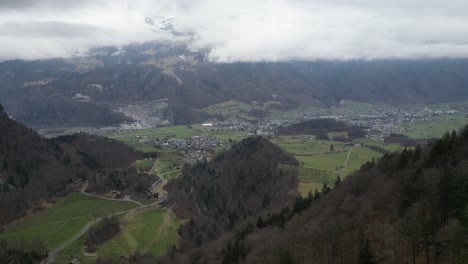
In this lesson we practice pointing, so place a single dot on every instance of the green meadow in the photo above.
(64, 219)
(150, 231)
(435, 128)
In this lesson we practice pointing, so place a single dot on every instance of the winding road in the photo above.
(126, 198)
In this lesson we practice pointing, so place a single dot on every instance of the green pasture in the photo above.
(435, 128)
(151, 231)
(60, 222)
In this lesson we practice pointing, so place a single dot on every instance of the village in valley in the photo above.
(200, 142)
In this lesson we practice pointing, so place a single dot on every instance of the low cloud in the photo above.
(268, 30)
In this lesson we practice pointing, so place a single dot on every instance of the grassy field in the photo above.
(172, 175)
(358, 156)
(146, 148)
(234, 136)
(371, 142)
(181, 132)
(144, 165)
(306, 145)
(329, 161)
(319, 164)
(435, 128)
(306, 187)
(152, 231)
(169, 160)
(63, 220)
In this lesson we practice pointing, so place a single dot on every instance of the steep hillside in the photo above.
(33, 168)
(238, 183)
(405, 208)
(109, 153)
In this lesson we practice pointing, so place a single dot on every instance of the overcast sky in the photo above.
(241, 30)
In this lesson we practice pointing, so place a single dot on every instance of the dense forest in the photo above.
(408, 207)
(19, 252)
(33, 168)
(237, 184)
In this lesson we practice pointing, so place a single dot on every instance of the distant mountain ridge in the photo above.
(88, 91)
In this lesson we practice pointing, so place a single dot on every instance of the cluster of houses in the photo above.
(200, 147)
(385, 121)
(267, 128)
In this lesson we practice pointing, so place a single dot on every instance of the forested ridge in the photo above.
(408, 207)
(33, 168)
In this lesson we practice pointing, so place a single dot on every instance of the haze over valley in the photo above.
(249, 132)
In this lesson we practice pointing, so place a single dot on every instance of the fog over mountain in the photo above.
(271, 30)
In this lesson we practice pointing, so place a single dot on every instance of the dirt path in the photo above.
(345, 165)
(150, 172)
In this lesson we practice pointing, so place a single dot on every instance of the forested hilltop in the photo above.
(239, 183)
(408, 207)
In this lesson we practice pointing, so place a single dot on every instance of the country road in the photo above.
(345, 165)
(125, 199)
(85, 228)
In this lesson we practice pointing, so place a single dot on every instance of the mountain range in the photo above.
(99, 89)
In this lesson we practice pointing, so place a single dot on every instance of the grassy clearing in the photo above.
(168, 161)
(67, 217)
(172, 175)
(319, 164)
(309, 175)
(371, 142)
(306, 187)
(144, 165)
(146, 148)
(152, 231)
(330, 161)
(298, 145)
(359, 156)
(234, 136)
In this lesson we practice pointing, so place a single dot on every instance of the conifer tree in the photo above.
(365, 254)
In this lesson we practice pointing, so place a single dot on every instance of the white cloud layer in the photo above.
(241, 30)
